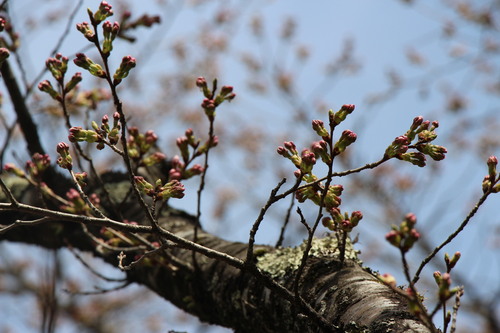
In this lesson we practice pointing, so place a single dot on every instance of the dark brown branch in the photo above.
(24, 118)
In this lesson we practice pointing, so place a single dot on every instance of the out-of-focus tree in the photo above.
(276, 104)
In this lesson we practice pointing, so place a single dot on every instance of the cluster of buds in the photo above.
(90, 98)
(490, 181)
(111, 132)
(128, 62)
(87, 31)
(4, 54)
(64, 160)
(35, 167)
(172, 189)
(184, 142)
(307, 159)
(81, 178)
(445, 292)
(38, 164)
(320, 149)
(314, 192)
(86, 63)
(58, 67)
(212, 101)
(347, 138)
(451, 262)
(339, 116)
(319, 127)
(105, 10)
(14, 42)
(388, 279)
(139, 144)
(13, 169)
(404, 236)
(145, 21)
(344, 222)
(179, 171)
(109, 31)
(98, 134)
(76, 204)
(46, 87)
(424, 132)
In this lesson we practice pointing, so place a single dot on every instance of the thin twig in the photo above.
(455, 233)
(272, 199)
(285, 224)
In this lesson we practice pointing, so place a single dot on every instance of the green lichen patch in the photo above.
(283, 260)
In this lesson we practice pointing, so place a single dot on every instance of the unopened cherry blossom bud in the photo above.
(426, 136)
(450, 263)
(417, 121)
(64, 161)
(173, 189)
(75, 79)
(393, 237)
(87, 32)
(104, 11)
(143, 185)
(291, 147)
(201, 83)
(81, 178)
(415, 158)
(492, 166)
(226, 90)
(195, 170)
(128, 62)
(4, 54)
(437, 153)
(10, 167)
(388, 279)
(347, 138)
(85, 62)
(319, 127)
(356, 216)
(339, 116)
(46, 87)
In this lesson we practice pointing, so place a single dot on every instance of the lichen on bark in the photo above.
(282, 261)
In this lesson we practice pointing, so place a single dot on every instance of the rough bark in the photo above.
(348, 297)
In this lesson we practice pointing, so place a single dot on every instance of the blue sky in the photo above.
(381, 32)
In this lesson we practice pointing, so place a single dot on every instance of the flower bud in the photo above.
(87, 32)
(356, 216)
(128, 62)
(437, 153)
(319, 127)
(104, 11)
(346, 139)
(426, 136)
(415, 158)
(85, 62)
(10, 167)
(46, 87)
(77, 77)
(388, 279)
(64, 161)
(339, 116)
(4, 54)
(143, 186)
(492, 166)
(417, 121)
(173, 189)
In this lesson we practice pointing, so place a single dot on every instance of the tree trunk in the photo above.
(347, 297)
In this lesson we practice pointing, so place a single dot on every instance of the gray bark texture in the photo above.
(349, 297)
